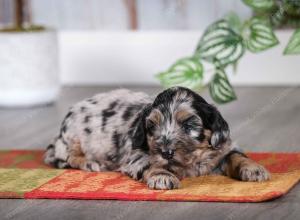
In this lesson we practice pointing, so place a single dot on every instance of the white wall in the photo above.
(97, 57)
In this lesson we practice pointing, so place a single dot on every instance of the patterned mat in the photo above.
(23, 175)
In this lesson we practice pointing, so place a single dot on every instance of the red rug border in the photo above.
(34, 194)
(137, 197)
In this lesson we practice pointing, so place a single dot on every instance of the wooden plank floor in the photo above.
(262, 119)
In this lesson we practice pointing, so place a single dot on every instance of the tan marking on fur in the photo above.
(181, 115)
(155, 117)
(207, 134)
(245, 169)
(205, 159)
(205, 144)
(199, 162)
(76, 157)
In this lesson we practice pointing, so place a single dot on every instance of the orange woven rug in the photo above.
(23, 175)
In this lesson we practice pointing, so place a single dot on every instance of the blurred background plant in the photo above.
(22, 18)
(278, 13)
(225, 41)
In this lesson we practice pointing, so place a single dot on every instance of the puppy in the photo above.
(159, 142)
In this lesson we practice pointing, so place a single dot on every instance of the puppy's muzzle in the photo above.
(167, 154)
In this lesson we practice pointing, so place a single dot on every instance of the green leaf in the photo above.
(258, 36)
(220, 88)
(278, 17)
(187, 72)
(292, 7)
(293, 22)
(293, 46)
(220, 44)
(260, 4)
(234, 22)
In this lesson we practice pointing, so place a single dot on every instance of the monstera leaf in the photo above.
(220, 44)
(293, 46)
(260, 4)
(187, 72)
(220, 89)
(258, 36)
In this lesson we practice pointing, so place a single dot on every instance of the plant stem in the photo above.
(132, 14)
(19, 14)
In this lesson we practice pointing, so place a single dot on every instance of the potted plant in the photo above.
(227, 40)
(28, 61)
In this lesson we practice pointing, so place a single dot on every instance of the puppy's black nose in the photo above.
(168, 154)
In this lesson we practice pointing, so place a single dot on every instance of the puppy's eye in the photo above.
(187, 128)
(189, 124)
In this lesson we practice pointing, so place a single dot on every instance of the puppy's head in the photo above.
(178, 123)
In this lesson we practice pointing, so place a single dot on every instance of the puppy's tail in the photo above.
(56, 154)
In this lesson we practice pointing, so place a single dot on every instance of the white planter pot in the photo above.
(28, 68)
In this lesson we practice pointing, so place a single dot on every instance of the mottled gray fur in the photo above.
(158, 141)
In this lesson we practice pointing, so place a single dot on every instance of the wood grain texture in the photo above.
(283, 208)
(262, 119)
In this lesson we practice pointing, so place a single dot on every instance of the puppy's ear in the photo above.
(213, 120)
(138, 130)
(218, 126)
(139, 135)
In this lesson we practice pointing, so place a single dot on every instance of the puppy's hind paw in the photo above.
(163, 181)
(254, 173)
(92, 166)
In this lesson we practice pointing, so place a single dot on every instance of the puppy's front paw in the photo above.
(163, 181)
(253, 173)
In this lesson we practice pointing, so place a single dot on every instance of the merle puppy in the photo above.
(159, 142)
